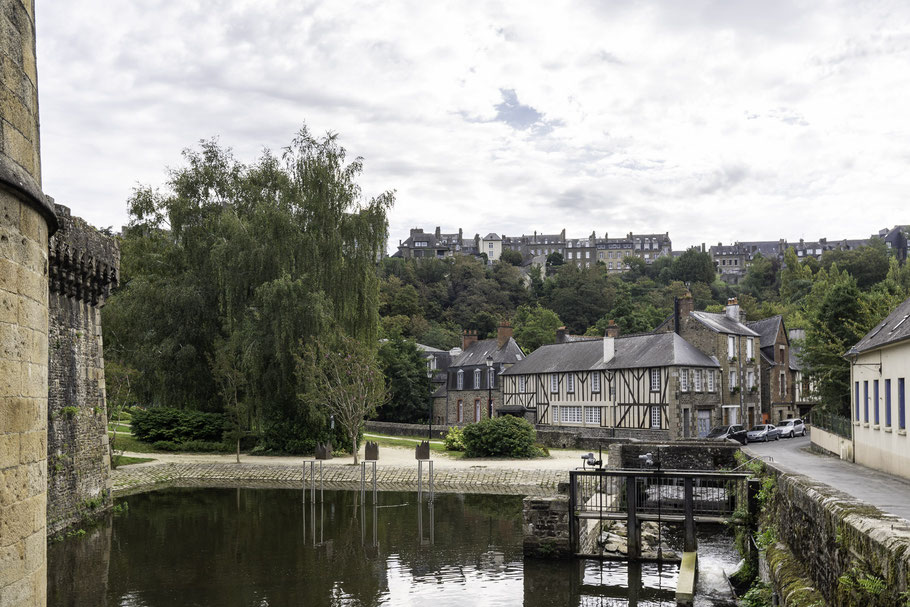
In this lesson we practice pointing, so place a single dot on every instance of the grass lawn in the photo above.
(125, 460)
(120, 428)
(126, 442)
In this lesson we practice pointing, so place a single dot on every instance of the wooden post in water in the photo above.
(689, 545)
(633, 531)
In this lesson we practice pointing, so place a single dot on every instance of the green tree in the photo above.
(405, 371)
(535, 326)
(511, 257)
(693, 266)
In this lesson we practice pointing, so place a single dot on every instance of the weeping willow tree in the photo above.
(230, 269)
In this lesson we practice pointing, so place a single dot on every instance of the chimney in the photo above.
(561, 335)
(438, 231)
(503, 333)
(613, 329)
(468, 338)
(732, 309)
(609, 347)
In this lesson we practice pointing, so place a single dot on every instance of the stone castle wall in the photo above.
(84, 264)
(26, 220)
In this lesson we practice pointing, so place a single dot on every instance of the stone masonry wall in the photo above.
(691, 455)
(25, 223)
(83, 266)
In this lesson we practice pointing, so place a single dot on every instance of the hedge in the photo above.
(177, 426)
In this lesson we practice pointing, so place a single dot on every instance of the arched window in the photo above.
(476, 379)
(459, 384)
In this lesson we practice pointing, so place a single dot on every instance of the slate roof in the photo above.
(632, 352)
(492, 236)
(721, 323)
(426, 348)
(895, 328)
(477, 353)
(767, 329)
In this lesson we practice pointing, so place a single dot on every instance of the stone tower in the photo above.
(26, 221)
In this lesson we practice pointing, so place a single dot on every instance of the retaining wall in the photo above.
(832, 443)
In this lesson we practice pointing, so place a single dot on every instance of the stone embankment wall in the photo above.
(26, 220)
(84, 265)
(850, 552)
(684, 455)
(394, 429)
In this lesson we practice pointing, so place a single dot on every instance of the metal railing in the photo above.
(837, 424)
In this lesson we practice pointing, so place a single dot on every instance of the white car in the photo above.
(792, 427)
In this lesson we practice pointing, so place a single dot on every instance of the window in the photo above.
(750, 378)
(888, 403)
(901, 417)
(522, 383)
(749, 348)
(421, 243)
(490, 246)
(570, 415)
(613, 392)
(570, 254)
(595, 382)
(460, 412)
(697, 382)
(732, 382)
(655, 417)
(875, 401)
(476, 409)
(601, 255)
(684, 380)
(554, 382)
(710, 374)
(570, 382)
(459, 384)
(856, 400)
(866, 401)
(476, 379)
(783, 384)
(587, 254)
(731, 347)
(655, 380)
(783, 352)
(592, 416)
(610, 265)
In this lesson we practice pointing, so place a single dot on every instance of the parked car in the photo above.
(763, 432)
(792, 427)
(737, 433)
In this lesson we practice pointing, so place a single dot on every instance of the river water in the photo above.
(265, 548)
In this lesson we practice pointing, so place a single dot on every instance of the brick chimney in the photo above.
(561, 335)
(468, 338)
(732, 309)
(613, 329)
(503, 333)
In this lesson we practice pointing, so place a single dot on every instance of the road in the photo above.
(888, 493)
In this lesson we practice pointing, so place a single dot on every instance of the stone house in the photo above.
(473, 389)
(420, 244)
(804, 389)
(879, 369)
(644, 386)
(778, 394)
(734, 346)
(490, 245)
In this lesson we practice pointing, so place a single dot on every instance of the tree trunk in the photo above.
(238, 449)
(354, 446)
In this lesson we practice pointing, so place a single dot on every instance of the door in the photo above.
(703, 421)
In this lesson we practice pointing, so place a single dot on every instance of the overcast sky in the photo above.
(710, 120)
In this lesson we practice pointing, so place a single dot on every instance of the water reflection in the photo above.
(246, 547)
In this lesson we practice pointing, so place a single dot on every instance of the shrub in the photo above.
(193, 446)
(506, 436)
(454, 439)
(176, 425)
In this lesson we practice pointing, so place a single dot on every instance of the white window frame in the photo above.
(593, 416)
(522, 383)
(491, 377)
(460, 411)
(656, 415)
(595, 382)
(732, 380)
(570, 414)
(459, 380)
(750, 379)
(554, 382)
(683, 380)
(711, 378)
(477, 379)
(655, 379)
(749, 351)
(570, 383)
(478, 410)
(731, 347)
(697, 380)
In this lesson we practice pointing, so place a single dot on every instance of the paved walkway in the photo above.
(396, 470)
(888, 493)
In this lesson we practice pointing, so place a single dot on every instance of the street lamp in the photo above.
(489, 387)
(430, 416)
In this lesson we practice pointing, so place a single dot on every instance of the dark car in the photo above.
(735, 432)
(764, 433)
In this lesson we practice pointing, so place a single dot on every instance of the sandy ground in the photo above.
(394, 456)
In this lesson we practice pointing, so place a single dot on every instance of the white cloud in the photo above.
(708, 119)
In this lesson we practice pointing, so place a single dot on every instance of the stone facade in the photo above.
(546, 527)
(708, 455)
(84, 265)
(25, 223)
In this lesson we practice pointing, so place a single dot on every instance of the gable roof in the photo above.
(721, 323)
(631, 352)
(477, 353)
(767, 329)
(895, 328)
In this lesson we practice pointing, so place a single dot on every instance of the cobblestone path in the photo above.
(138, 478)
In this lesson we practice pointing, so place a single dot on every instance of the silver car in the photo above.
(792, 427)
(763, 432)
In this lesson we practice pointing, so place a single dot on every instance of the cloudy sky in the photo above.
(712, 120)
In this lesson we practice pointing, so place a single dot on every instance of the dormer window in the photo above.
(421, 243)
(476, 379)
(459, 380)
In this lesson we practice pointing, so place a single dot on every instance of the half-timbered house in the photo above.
(629, 384)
